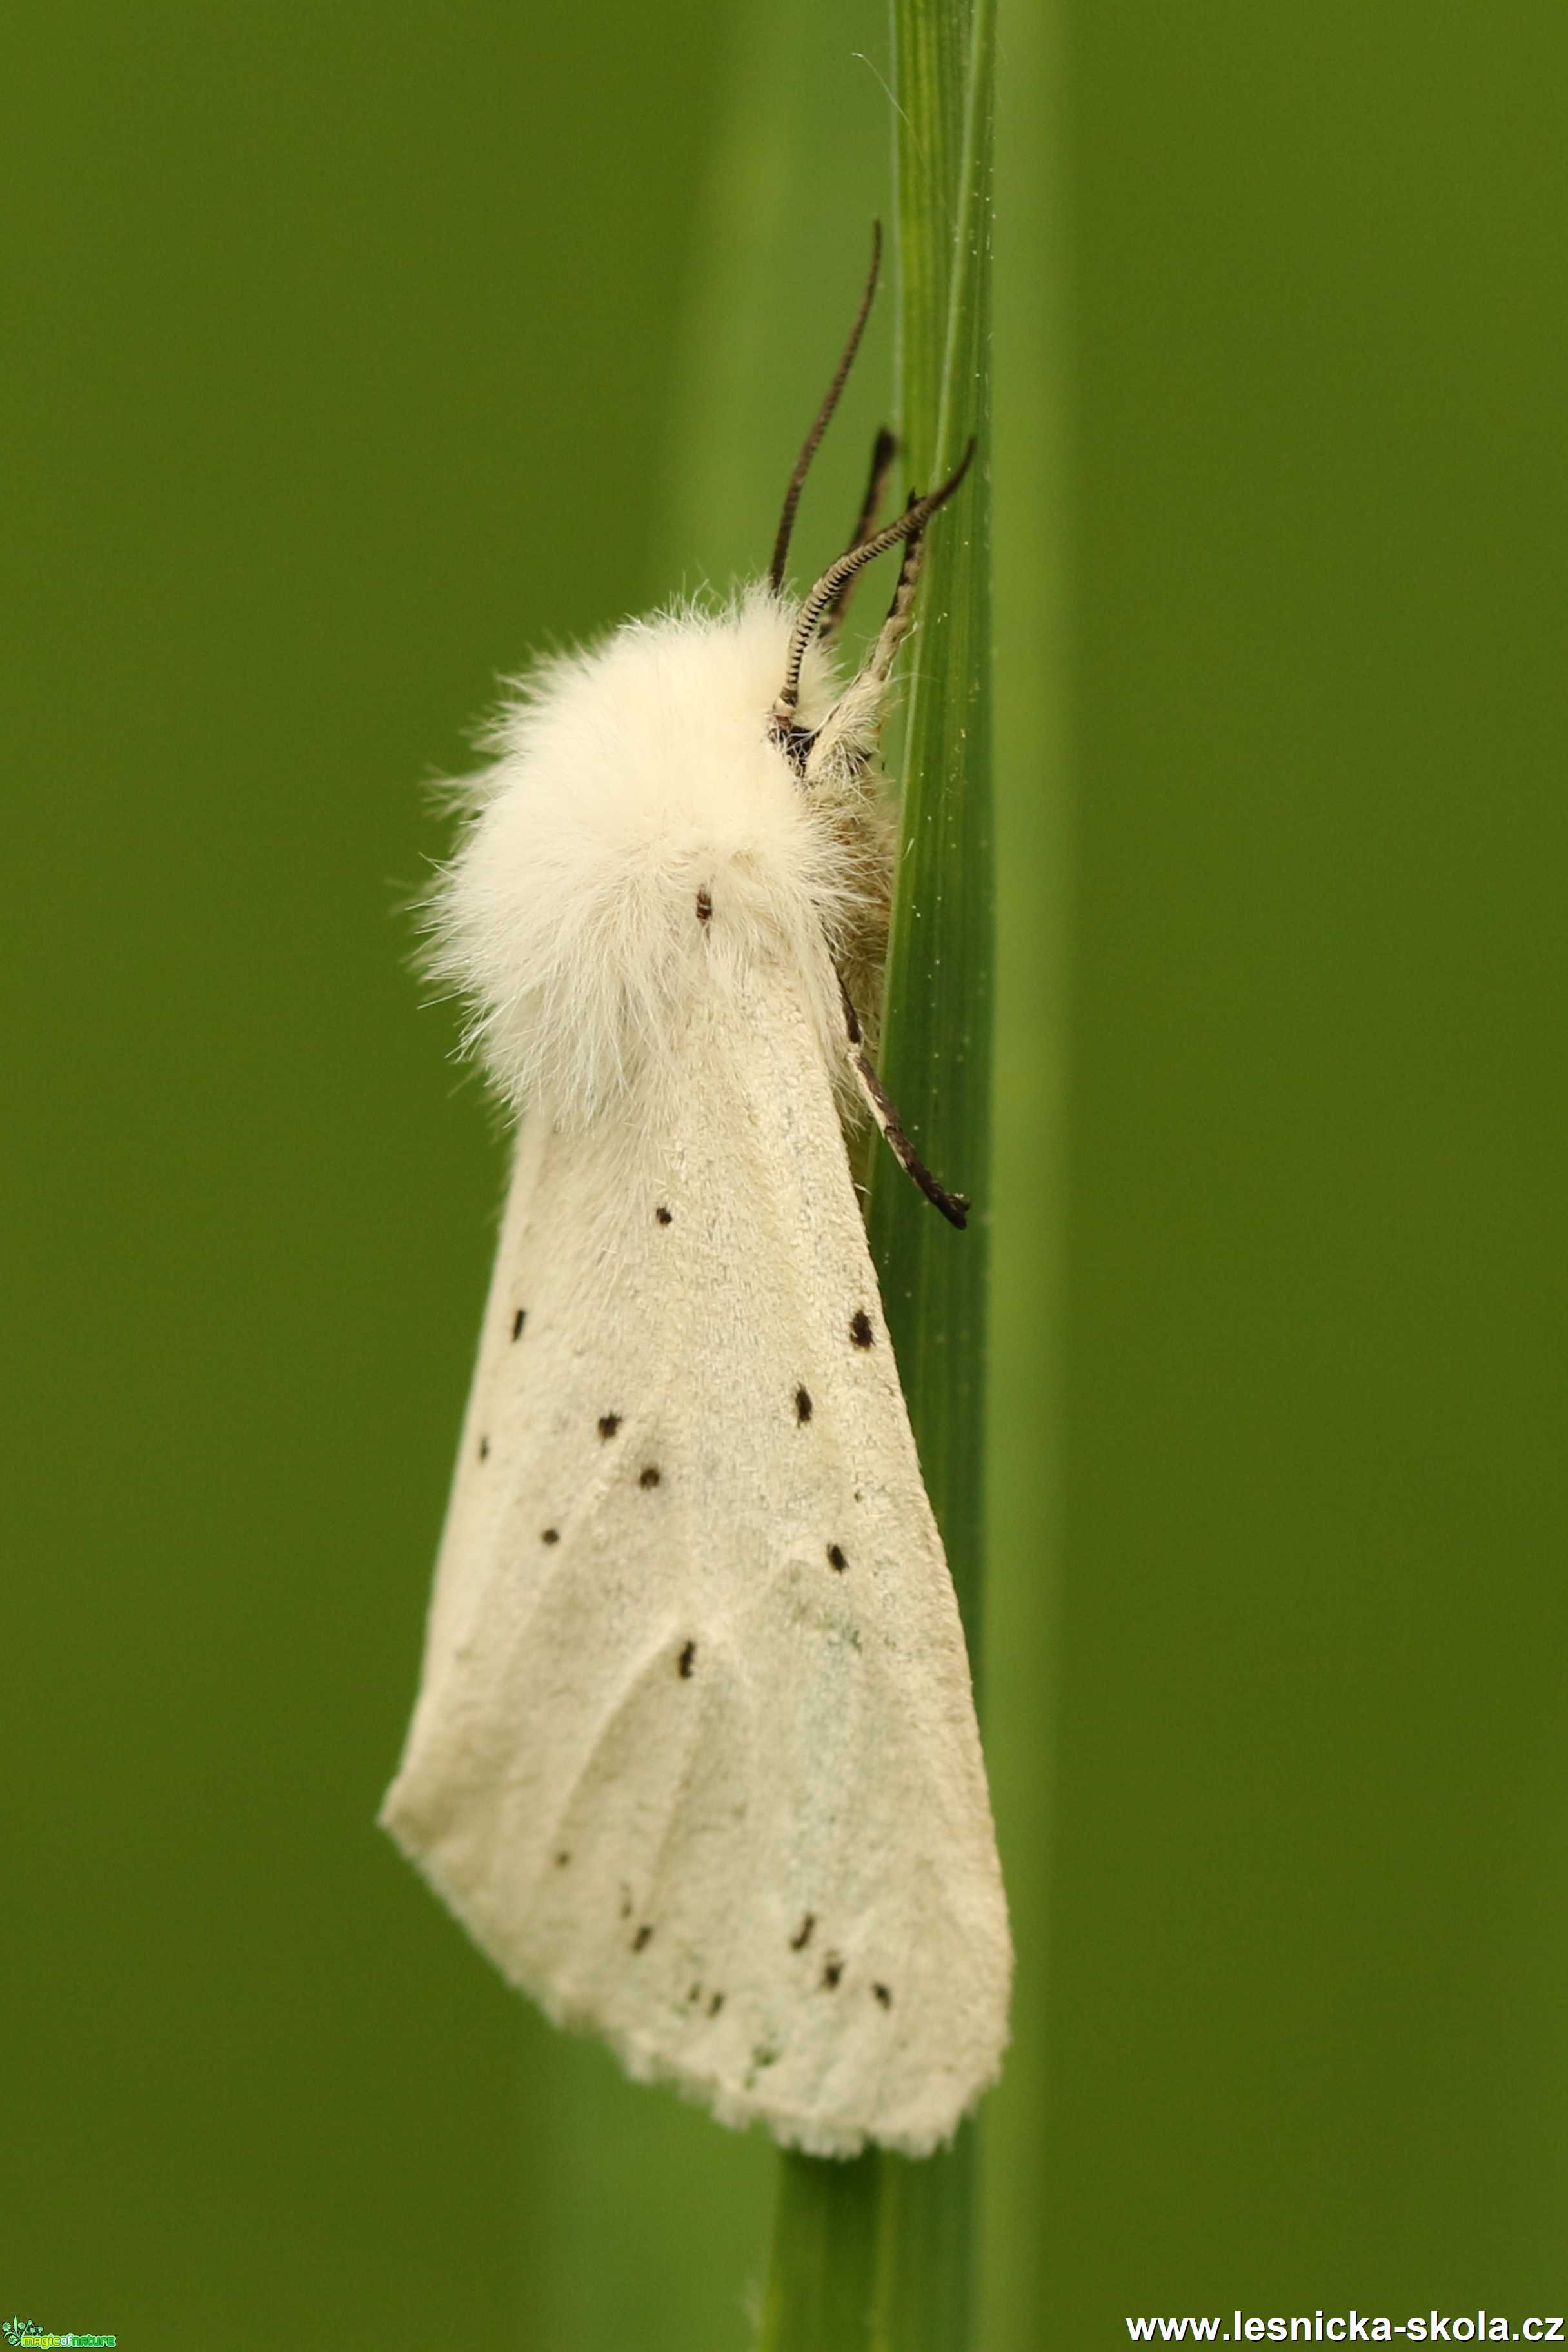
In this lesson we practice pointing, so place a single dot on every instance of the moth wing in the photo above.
(694, 1756)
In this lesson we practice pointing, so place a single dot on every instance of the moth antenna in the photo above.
(953, 1206)
(824, 417)
(884, 451)
(836, 578)
(808, 750)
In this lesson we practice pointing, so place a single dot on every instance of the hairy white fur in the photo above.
(629, 778)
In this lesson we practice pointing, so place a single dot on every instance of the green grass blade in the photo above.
(822, 2288)
(876, 2256)
(937, 1043)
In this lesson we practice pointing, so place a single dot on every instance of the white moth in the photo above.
(694, 1756)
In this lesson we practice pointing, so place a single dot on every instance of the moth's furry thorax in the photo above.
(628, 778)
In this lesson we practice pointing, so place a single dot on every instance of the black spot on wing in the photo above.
(650, 1476)
(550, 1535)
(802, 1404)
(802, 1936)
(687, 1660)
(642, 1939)
(883, 1994)
(833, 1970)
(715, 2004)
(836, 1557)
(705, 905)
(860, 1327)
(561, 1859)
(662, 1214)
(483, 1449)
(518, 1320)
(608, 1422)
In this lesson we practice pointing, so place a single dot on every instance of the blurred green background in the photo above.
(350, 353)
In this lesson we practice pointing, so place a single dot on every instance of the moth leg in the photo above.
(900, 613)
(885, 449)
(953, 1206)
